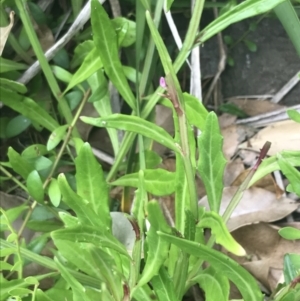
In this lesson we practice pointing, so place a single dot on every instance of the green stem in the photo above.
(21, 5)
(182, 56)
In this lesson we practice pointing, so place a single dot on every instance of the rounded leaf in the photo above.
(289, 233)
(54, 193)
(35, 186)
(17, 125)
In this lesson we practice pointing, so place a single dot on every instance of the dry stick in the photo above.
(286, 88)
(267, 118)
(222, 62)
(59, 155)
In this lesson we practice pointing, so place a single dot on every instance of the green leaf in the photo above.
(78, 290)
(294, 115)
(34, 151)
(8, 65)
(17, 125)
(35, 187)
(102, 103)
(214, 284)
(215, 222)
(289, 19)
(91, 184)
(56, 136)
(158, 181)
(163, 286)
(106, 44)
(289, 233)
(92, 261)
(195, 111)
(84, 210)
(128, 27)
(28, 108)
(8, 286)
(211, 161)
(291, 267)
(44, 226)
(240, 12)
(91, 64)
(54, 192)
(250, 45)
(62, 74)
(20, 165)
(81, 52)
(100, 237)
(136, 125)
(157, 247)
(271, 164)
(12, 214)
(12, 85)
(246, 284)
(292, 174)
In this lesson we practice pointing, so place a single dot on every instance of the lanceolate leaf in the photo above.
(164, 286)
(246, 284)
(28, 108)
(99, 237)
(91, 184)
(83, 209)
(157, 247)
(56, 136)
(211, 162)
(105, 40)
(215, 222)
(136, 125)
(158, 181)
(214, 284)
(242, 11)
(291, 173)
(77, 288)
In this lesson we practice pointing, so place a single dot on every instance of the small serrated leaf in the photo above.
(215, 222)
(211, 161)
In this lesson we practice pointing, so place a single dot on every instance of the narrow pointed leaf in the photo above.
(105, 40)
(245, 9)
(83, 209)
(215, 222)
(136, 125)
(246, 284)
(211, 161)
(214, 284)
(28, 108)
(91, 184)
(157, 247)
(158, 181)
(99, 237)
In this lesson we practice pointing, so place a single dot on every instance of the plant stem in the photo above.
(182, 56)
(21, 5)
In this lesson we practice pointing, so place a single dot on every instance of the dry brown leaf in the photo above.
(284, 135)
(265, 249)
(232, 170)
(254, 107)
(256, 205)
(233, 136)
(4, 31)
(226, 120)
(267, 182)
